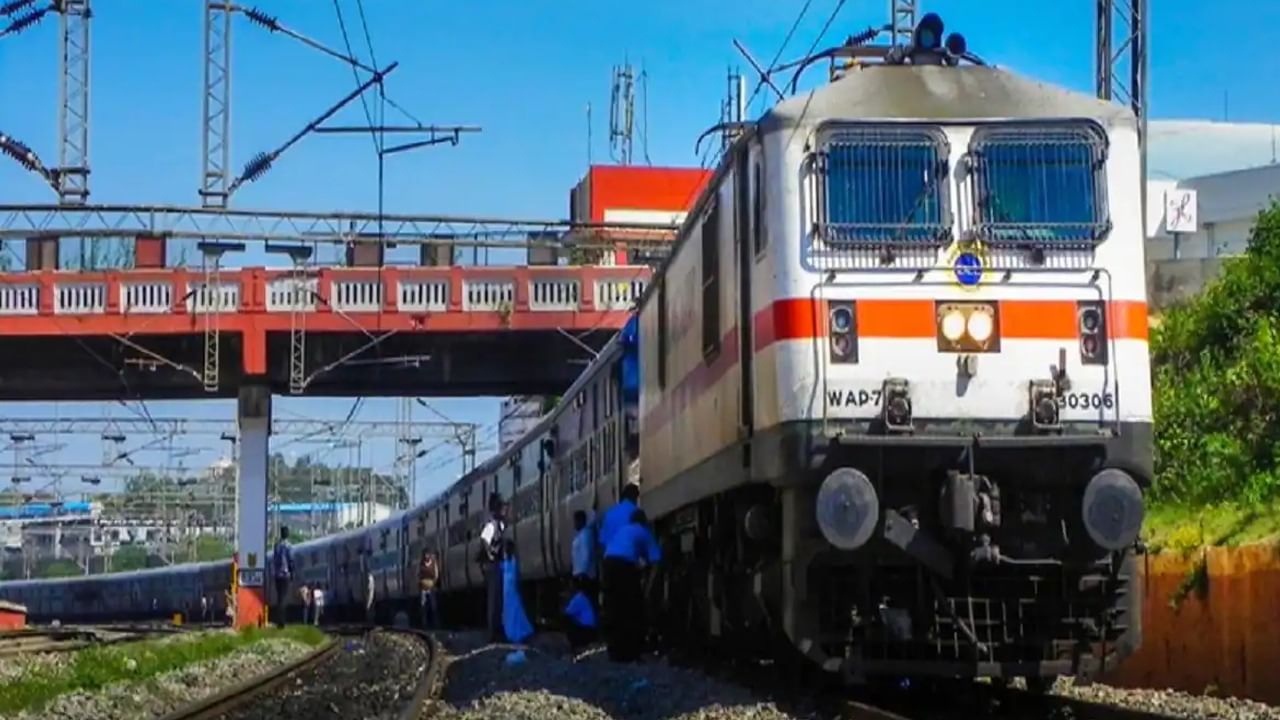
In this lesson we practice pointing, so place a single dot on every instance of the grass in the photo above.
(94, 668)
(1184, 529)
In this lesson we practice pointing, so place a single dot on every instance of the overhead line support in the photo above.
(1121, 65)
(73, 108)
(216, 173)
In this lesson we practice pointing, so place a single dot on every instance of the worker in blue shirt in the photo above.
(282, 571)
(619, 515)
(630, 547)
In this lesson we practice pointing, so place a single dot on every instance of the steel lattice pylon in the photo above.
(1121, 64)
(903, 21)
(73, 107)
(208, 302)
(300, 297)
(215, 175)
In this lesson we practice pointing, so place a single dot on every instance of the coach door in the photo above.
(742, 237)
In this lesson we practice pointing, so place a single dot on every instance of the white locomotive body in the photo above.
(900, 356)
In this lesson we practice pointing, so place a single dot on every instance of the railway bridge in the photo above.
(359, 327)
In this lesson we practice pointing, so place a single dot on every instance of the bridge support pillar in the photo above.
(253, 416)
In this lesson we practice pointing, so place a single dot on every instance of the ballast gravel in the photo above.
(480, 684)
(164, 693)
(1172, 703)
(371, 677)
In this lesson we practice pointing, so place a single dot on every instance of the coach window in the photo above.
(595, 405)
(711, 282)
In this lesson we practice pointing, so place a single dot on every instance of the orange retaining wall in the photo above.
(1228, 638)
(12, 616)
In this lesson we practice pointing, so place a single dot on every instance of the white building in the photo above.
(1206, 183)
(519, 415)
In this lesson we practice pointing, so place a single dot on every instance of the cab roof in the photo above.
(935, 92)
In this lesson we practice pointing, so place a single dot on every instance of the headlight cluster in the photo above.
(1092, 322)
(843, 330)
(967, 327)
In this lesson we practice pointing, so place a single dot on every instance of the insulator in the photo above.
(20, 152)
(256, 166)
(26, 21)
(14, 6)
(269, 22)
(863, 37)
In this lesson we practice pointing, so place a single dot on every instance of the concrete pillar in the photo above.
(254, 419)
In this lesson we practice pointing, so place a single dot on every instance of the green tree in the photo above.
(210, 547)
(59, 568)
(129, 557)
(1216, 378)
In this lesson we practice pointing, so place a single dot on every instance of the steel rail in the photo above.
(249, 691)
(246, 692)
(65, 639)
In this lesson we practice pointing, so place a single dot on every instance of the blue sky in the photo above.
(525, 71)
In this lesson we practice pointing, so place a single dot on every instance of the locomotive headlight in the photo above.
(1112, 509)
(968, 326)
(981, 325)
(953, 325)
(847, 508)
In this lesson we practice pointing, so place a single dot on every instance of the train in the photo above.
(887, 400)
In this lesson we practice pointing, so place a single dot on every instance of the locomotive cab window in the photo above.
(711, 282)
(878, 186)
(1039, 184)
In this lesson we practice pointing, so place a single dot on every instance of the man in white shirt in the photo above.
(491, 537)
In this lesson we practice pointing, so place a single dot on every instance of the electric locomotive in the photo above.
(896, 404)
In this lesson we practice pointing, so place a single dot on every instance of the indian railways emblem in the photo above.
(968, 264)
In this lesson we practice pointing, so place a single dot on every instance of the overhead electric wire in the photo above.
(346, 40)
(778, 55)
(827, 26)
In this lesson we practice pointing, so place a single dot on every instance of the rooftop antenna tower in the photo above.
(734, 107)
(622, 112)
(902, 24)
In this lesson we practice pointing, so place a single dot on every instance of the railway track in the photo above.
(1008, 704)
(64, 639)
(291, 687)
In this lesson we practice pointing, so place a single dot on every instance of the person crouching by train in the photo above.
(630, 547)
(428, 574)
(282, 571)
(491, 537)
(580, 616)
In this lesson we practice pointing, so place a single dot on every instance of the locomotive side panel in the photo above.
(690, 343)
